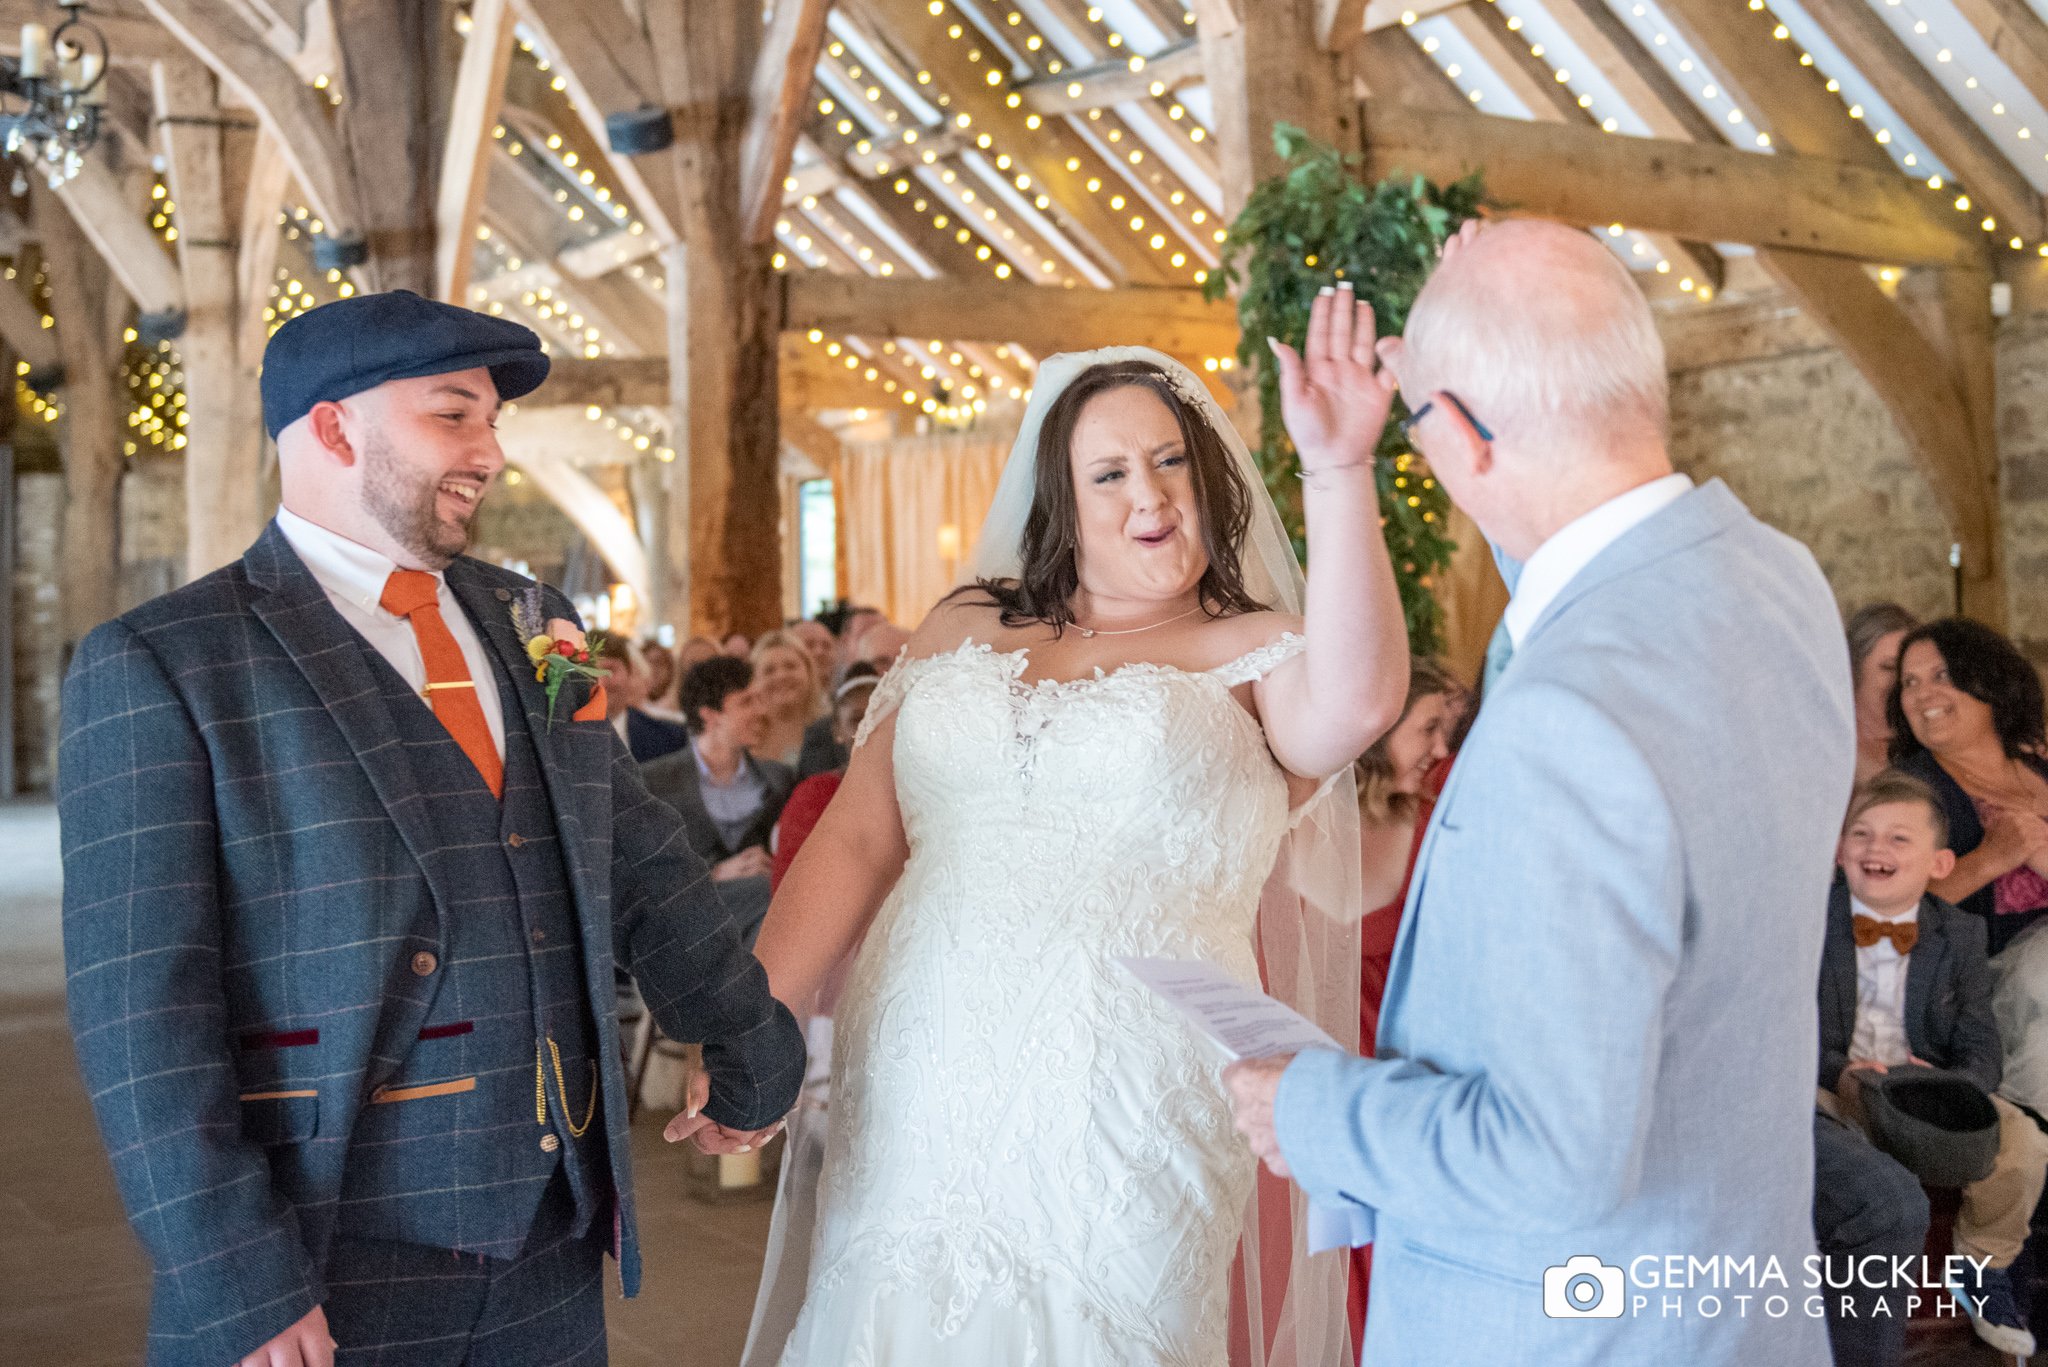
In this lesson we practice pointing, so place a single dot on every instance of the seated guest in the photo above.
(728, 800)
(692, 653)
(737, 645)
(828, 744)
(2019, 1000)
(817, 638)
(1904, 981)
(653, 725)
(854, 626)
(814, 788)
(625, 681)
(1966, 718)
(1875, 633)
(792, 695)
(881, 643)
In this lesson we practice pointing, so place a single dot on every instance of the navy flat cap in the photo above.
(343, 348)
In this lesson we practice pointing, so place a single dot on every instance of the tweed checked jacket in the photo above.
(245, 858)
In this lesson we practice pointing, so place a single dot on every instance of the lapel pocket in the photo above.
(593, 710)
(280, 1117)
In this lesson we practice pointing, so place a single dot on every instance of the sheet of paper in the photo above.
(1244, 1020)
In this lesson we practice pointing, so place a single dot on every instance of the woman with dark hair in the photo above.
(1875, 633)
(1966, 717)
(1099, 751)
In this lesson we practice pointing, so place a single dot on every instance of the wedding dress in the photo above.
(1031, 1161)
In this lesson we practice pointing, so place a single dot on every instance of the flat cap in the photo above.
(343, 348)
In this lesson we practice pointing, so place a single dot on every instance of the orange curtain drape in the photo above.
(913, 508)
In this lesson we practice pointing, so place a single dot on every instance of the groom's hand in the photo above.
(305, 1344)
(1253, 1084)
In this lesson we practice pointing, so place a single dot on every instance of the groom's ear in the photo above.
(327, 424)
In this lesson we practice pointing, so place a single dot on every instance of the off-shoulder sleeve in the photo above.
(1258, 663)
(887, 698)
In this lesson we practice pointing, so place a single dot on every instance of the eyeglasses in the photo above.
(1408, 423)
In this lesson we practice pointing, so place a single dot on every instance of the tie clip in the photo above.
(464, 683)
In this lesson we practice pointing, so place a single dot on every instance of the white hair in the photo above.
(1544, 335)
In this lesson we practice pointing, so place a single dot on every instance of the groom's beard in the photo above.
(406, 504)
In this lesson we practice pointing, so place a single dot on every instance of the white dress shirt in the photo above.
(1880, 1033)
(354, 577)
(1572, 547)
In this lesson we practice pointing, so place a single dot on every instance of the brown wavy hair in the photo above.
(1428, 677)
(1045, 586)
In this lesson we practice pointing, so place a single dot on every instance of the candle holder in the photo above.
(51, 95)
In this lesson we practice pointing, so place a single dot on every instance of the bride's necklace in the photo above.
(1132, 631)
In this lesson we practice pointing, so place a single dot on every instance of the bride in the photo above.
(1090, 754)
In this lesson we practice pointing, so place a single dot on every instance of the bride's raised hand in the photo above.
(1335, 398)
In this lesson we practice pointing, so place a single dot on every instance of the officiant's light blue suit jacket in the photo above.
(1598, 1034)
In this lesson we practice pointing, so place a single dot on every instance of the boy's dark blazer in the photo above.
(248, 863)
(1948, 993)
(675, 780)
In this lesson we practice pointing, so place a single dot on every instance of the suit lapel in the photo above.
(1838, 959)
(1924, 968)
(329, 653)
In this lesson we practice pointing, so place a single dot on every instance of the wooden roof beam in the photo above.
(1533, 81)
(111, 219)
(1115, 82)
(910, 27)
(1951, 134)
(293, 113)
(1587, 177)
(2016, 36)
(1040, 318)
(777, 98)
(465, 158)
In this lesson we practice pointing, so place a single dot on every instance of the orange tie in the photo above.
(415, 596)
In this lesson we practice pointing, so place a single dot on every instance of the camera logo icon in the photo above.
(1584, 1288)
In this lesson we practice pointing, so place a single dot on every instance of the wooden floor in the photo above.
(73, 1284)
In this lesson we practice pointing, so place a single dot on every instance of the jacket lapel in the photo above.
(1838, 962)
(1924, 968)
(329, 653)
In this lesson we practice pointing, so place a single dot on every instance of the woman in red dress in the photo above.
(1398, 780)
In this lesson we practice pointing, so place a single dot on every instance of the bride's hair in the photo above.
(1044, 588)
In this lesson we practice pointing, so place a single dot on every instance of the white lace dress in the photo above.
(1031, 1159)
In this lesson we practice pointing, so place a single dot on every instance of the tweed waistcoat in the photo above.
(453, 1152)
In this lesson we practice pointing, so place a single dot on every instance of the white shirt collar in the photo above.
(1857, 908)
(1572, 547)
(345, 568)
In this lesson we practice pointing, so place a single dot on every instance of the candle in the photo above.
(35, 49)
(70, 62)
(89, 79)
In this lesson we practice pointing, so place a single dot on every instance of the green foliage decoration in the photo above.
(1311, 225)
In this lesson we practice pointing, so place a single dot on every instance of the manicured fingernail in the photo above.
(1326, 290)
(1274, 344)
(744, 1148)
(691, 1113)
(1344, 285)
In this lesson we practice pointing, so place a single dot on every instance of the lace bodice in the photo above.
(1031, 1159)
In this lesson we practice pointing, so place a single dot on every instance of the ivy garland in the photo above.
(1311, 224)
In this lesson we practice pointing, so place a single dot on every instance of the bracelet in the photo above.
(1306, 475)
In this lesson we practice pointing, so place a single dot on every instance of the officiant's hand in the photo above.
(1253, 1084)
(1334, 398)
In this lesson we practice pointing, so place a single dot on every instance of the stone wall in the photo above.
(38, 637)
(1804, 440)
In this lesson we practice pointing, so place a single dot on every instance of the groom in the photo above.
(344, 889)
(1595, 1053)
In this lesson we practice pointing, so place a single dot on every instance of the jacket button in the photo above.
(549, 1143)
(424, 963)
(540, 937)
(515, 840)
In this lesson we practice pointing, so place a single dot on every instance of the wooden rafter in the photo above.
(1115, 82)
(1045, 152)
(603, 57)
(1634, 72)
(1584, 176)
(1936, 385)
(1932, 113)
(1533, 81)
(465, 161)
(777, 98)
(110, 217)
(2016, 36)
(1267, 63)
(1041, 318)
(293, 113)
